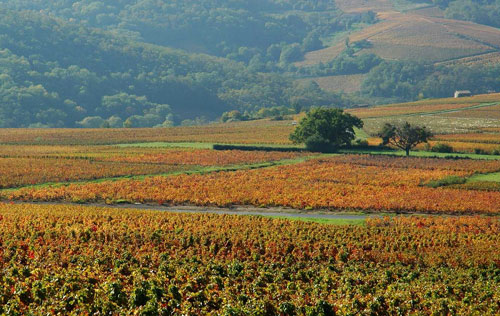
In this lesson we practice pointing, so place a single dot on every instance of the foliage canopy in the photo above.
(404, 136)
(326, 129)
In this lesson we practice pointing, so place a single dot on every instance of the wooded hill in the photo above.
(141, 63)
(56, 74)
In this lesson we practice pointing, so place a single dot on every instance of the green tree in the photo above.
(326, 129)
(404, 136)
(232, 116)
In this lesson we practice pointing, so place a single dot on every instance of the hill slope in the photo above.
(57, 74)
(417, 37)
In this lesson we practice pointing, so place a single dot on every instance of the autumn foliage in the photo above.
(61, 260)
(29, 165)
(372, 183)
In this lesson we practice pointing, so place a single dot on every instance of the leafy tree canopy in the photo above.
(59, 74)
(404, 136)
(325, 129)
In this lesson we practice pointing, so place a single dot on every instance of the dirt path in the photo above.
(238, 210)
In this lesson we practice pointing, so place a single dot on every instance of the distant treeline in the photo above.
(413, 80)
(58, 74)
(268, 34)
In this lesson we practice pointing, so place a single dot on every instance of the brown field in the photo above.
(464, 147)
(486, 138)
(436, 114)
(344, 83)
(434, 12)
(491, 112)
(466, 129)
(425, 106)
(352, 6)
(483, 59)
(414, 36)
(398, 110)
(481, 33)
(323, 55)
(437, 124)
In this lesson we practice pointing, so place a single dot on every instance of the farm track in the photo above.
(237, 210)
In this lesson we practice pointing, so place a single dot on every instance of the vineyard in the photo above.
(66, 259)
(79, 260)
(254, 132)
(426, 106)
(30, 165)
(350, 182)
(468, 125)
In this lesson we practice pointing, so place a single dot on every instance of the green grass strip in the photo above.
(486, 177)
(328, 221)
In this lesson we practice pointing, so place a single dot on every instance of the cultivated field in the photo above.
(467, 124)
(369, 183)
(79, 260)
(344, 83)
(415, 35)
(89, 163)
(255, 132)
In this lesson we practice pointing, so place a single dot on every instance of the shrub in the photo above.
(316, 143)
(442, 148)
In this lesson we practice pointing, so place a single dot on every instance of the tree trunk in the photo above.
(407, 152)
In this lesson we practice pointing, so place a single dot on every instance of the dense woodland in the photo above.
(259, 31)
(138, 63)
(413, 80)
(58, 74)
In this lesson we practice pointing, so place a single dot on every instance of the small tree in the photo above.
(404, 136)
(326, 129)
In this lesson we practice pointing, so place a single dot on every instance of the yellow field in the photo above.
(252, 132)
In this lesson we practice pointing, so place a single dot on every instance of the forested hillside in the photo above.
(58, 74)
(142, 63)
(258, 31)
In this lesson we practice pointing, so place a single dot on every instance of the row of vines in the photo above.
(78, 260)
